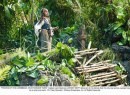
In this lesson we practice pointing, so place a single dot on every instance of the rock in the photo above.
(116, 38)
(126, 65)
(122, 51)
(27, 81)
(59, 80)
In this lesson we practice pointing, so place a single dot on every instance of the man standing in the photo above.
(44, 31)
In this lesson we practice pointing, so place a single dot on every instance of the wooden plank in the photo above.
(95, 64)
(87, 53)
(106, 61)
(105, 83)
(91, 66)
(105, 79)
(96, 68)
(101, 77)
(102, 74)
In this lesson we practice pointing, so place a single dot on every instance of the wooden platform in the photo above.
(97, 72)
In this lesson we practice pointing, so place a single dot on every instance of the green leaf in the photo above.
(30, 62)
(70, 40)
(59, 45)
(17, 82)
(39, 57)
(23, 69)
(119, 31)
(72, 62)
(124, 35)
(120, 43)
(33, 74)
(117, 25)
(120, 12)
(64, 62)
(18, 62)
(41, 67)
(1, 51)
(4, 72)
(119, 69)
(128, 38)
(32, 68)
(66, 70)
(7, 12)
(43, 80)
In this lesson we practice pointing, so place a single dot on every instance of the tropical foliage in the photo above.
(102, 18)
(106, 22)
(59, 61)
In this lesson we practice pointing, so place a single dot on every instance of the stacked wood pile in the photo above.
(96, 71)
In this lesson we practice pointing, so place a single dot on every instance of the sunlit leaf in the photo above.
(43, 80)
(33, 74)
(18, 62)
(7, 12)
(128, 38)
(23, 69)
(124, 34)
(120, 43)
(30, 62)
(41, 67)
(72, 62)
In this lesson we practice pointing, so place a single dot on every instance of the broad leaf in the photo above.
(33, 74)
(43, 80)
(124, 34)
(72, 62)
(7, 12)
(30, 62)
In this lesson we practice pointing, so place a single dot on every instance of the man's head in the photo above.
(45, 12)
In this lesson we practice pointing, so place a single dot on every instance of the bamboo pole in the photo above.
(78, 61)
(94, 57)
(96, 66)
(101, 74)
(105, 79)
(84, 61)
(110, 82)
(79, 57)
(96, 69)
(106, 61)
(105, 76)
(86, 53)
(87, 50)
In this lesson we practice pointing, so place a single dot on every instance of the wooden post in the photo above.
(82, 37)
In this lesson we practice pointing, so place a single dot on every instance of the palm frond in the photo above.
(4, 71)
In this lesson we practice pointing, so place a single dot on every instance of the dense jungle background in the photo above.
(107, 27)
